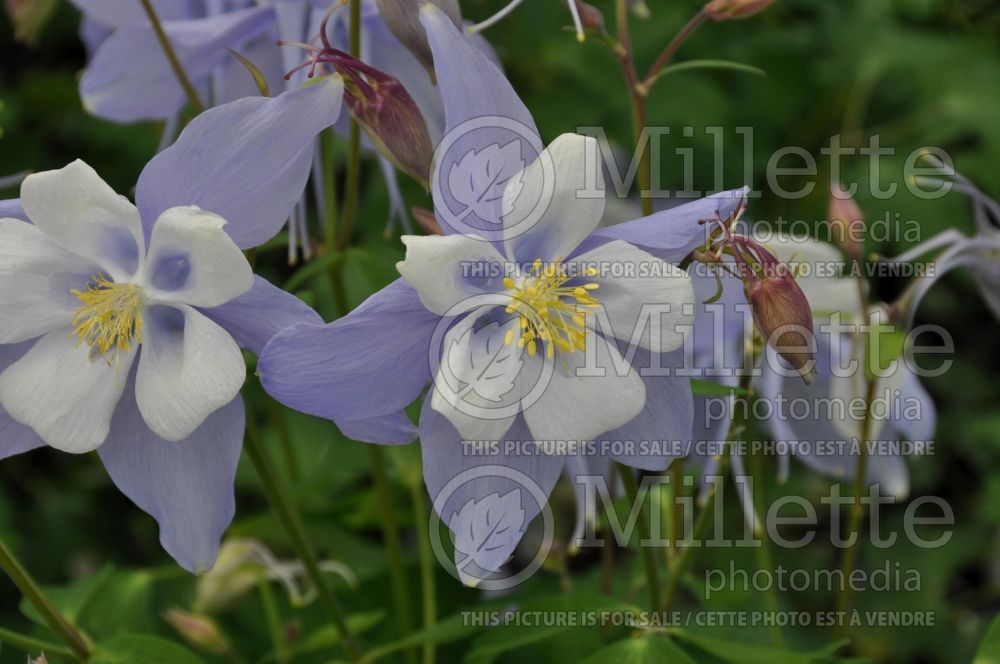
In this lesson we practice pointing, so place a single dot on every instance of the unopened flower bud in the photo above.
(588, 16)
(41, 660)
(846, 222)
(781, 312)
(29, 17)
(724, 10)
(200, 631)
(427, 220)
(394, 124)
(402, 17)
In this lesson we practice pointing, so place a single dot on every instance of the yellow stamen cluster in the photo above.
(550, 312)
(109, 319)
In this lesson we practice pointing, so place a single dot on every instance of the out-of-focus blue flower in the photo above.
(121, 325)
(438, 322)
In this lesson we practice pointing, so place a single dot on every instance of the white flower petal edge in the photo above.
(62, 393)
(547, 213)
(189, 368)
(193, 261)
(647, 282)
(441, 269)
(578, 406)
(36, 278)
(79, 212)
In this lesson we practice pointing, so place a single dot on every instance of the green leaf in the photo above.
(648, 649)
(709, 388)
(106, 603)
(710, 64)
(989, 647)
(574, 611)
(133, 648)
(327, 636)
(752, 653)
(881, 348)
(258, 77)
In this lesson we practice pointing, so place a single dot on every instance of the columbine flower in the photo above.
(980, 253)
(121, 324)
(494, 315)
(830, 298)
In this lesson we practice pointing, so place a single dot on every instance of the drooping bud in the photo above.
(585, 17)
(402, 17)
(427, 220)
(846, 222)
(200, 631)
(381, 105)
(725, 10)
(29, 17)
(781, 312)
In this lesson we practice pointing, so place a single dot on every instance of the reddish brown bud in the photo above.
(199, 631)
(846, 222)
(781, 312)
(724, 10)
(591, 17)
(427, 220)
(29, 17)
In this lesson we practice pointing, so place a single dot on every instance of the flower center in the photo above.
(550, 311)
(109, 319)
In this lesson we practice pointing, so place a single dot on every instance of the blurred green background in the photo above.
(918, 72)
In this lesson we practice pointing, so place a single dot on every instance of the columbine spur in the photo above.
(121, 324)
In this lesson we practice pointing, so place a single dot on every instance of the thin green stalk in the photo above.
(668, 52)
(280, 419)
(390, 533)
(353, 142)
(54, 618)
(736, 426)
(284, 509)
(427, 587)
(857, 510)
(273, 617)
(763, 552)
(648, 554)
(329, 190)
(171, 55)
(637, 98)
(33, 646)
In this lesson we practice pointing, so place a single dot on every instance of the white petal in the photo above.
(447, 270)
(78, 211)
(36, 280)
(66, 397)
(192, 260)
(547, 213)
(189, 368)
(581, 407)
(477, 384)
(631, 279)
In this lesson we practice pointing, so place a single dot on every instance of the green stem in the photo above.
(763, 552)
(427, 587)
(648, 553)
(284, 508)
(33, 646)
(175, 63)
(56, 621)
(857, 511)
(273, 617)
(390, 533)
(280, 418)
(637, 98)
(353, 142)
(668, 52)
(330, 190)
(736, 427)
